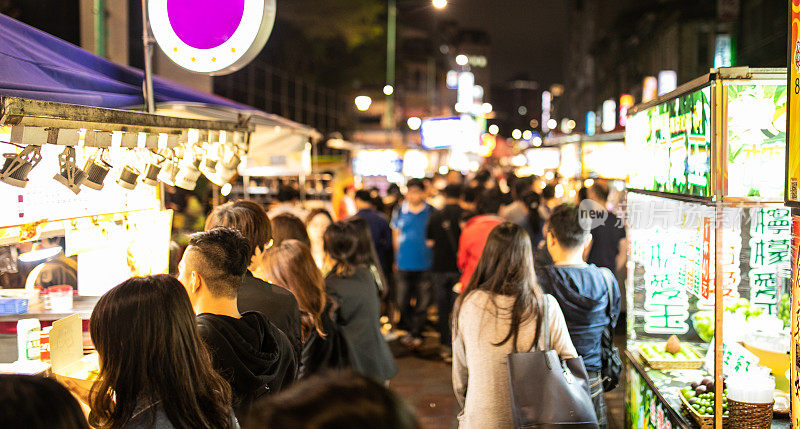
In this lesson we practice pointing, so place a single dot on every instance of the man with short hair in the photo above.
(442, 236)
(475, 232)
(582, 292)
(378, 228)
(608, 246)
(276, 303)
(251, 353)
(409, 223)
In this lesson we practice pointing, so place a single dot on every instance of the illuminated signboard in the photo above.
(671, 144)
(442, 133)
(607, 160)
(756, 140)
(377, 163)
(211, 36)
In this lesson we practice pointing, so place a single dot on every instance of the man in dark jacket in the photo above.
(378, 227)
(251, 353)
(274, 302)
(582, 292)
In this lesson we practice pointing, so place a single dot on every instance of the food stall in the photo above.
(709, 258)
(82, 202)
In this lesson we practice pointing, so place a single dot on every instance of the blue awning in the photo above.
(39, 66)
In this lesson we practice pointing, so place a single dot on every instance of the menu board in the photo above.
(673, 250)
(671, 143)
(756, 140)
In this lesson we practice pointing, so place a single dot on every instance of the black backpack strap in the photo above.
(608, 276)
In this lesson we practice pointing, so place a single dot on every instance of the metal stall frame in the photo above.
(717, 80)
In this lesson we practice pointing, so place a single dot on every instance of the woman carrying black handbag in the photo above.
(498, 315)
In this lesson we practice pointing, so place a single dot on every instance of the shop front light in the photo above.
(69, 174)
(188, 173)
(128, 177)
(18, 165)
(96, 170)
(152, 169)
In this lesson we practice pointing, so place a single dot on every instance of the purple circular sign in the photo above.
(205, 24)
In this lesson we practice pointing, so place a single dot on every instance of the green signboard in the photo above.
(670, 146)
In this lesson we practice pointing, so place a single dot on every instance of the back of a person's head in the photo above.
(599, 191)
(531, 200)
(38, 403)
(566, 227)
(548, 192)
(333, 401)
(471, 195)
(286, 226)
(245, 216)
(144, 331)
(490, 202)
(290, 265)
(287, 194)
(364, 196)
(415, 183)
(221, 256)
(340, 242)
(366, 247)
(521, 186)
(453, 191)
(393, 189)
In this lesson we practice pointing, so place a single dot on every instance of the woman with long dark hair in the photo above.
(154, 369)
(316, 223)
(290, 264)
(353, 287)
(366, 254)
(498, 313)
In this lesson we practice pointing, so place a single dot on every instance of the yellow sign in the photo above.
(793, 129)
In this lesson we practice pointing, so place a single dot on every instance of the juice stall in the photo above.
(709, 268)
(82, 208)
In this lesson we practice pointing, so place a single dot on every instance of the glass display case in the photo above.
(710, 256)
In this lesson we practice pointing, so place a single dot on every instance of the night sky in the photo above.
(528, 36)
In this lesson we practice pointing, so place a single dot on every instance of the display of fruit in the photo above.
(785, 309)
(662, 351)
(703, 321)
(700, 397)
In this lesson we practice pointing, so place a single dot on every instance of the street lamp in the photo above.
(363, 102)
(414, 123)
(388, 90)
(462, 59)
(439, 4)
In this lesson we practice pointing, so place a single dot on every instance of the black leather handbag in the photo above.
(547, 392)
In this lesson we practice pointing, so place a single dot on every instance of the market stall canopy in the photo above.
(38, 66)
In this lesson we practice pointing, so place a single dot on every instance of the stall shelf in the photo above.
(709, 242)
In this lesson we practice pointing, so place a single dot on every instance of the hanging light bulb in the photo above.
(169, 170)
(96, 170)
(189, 169)
(153, 168)
(69, 174)
(18, 165)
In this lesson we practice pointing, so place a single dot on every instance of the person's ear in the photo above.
(195, 282)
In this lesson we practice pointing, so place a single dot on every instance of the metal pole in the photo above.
(147, 42)
(391, 47)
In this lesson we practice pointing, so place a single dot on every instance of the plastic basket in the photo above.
(13, 305)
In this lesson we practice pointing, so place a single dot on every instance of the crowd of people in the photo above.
(275, 317)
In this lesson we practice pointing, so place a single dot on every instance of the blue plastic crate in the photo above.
(13, 305)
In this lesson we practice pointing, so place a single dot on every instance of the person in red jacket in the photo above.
(475, 232)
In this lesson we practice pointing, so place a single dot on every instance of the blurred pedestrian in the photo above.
(316, 223)
(378, 228)
(609, 244)
(274, 302)
(532, 223)
(499, 313)
(353, 288)
(287, 226)
(290, 264)
(474, 233)
(582, 291)
(548, 201)
(414, 259)
(515, 212)
(288, 200)
(443, 233)
(334, 400)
